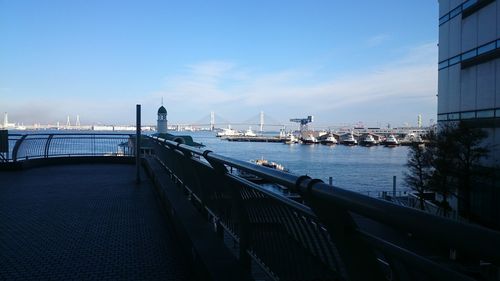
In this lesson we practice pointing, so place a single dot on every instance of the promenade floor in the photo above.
(84, 222)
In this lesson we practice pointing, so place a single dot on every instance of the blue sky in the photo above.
(342, 61)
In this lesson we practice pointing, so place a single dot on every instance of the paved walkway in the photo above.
(83, 222)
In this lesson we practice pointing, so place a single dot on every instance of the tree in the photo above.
(468, 143)
(456, 151)
(441, 149)
(419, 171)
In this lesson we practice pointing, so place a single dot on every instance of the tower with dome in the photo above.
(161, 125)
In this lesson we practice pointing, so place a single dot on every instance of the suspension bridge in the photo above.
(213, 121)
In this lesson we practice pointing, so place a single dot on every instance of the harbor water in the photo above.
(367, 170)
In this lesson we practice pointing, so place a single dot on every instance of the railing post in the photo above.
(16, 147)
(47, 146)
(138, 143)
(394, 187)
(4, 143)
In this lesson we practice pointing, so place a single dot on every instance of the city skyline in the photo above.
(342, 63)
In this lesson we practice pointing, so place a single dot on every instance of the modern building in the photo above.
(469, 82)
(161, 126)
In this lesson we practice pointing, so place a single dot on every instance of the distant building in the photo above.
(469, 81)
(161, 126)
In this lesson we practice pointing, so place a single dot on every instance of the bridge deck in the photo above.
(83, 222)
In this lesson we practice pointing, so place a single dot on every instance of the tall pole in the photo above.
(394, 186)
(138, 143)
(212, 120)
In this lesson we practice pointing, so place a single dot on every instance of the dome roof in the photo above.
(162, 110)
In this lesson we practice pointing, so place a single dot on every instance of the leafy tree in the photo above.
(419, 171)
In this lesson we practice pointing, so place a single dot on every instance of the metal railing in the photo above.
(33, 146)
(324, 239)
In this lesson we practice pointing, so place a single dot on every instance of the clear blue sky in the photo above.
(342, 61)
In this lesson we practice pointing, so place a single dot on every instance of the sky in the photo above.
(344, 62)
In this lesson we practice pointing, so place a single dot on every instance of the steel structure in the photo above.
(303, 122)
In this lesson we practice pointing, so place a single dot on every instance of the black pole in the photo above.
(138, 143)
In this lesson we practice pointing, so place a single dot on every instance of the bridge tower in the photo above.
(5, 120)
(212, 121)
(77, 121)
(68, 123)
(161, 123)
(261, 121)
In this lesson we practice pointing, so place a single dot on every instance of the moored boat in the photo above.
(309, 139)
(349, 140)
(391, 141)
(228, 132)
(264, 163)
(368, 140)
(330, 140)
(249, 133)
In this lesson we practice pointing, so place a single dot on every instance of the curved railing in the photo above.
(337, 235)
(33, 146)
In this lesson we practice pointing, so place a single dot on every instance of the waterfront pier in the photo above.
(71, 209)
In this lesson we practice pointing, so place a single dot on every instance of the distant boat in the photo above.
(310, 139)
(291, 139)
(265, 163)
(329, 140)
(270, 164)
(249, 133)
(368, 140)
(349, 140)
(391, 141)
(228, 132)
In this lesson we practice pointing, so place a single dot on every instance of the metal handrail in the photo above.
(477, 241)
(41, 145)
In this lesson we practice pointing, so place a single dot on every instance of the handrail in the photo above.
(480, 241)
(477, 241)
(47, 145)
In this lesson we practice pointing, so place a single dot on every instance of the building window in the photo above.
(485, 113)
(497, 113)
(469, 54)
(454, 116)
(486, 48)
(442, 117)
(454, 60)
(468, 4)
(471, 57)
(443, 64)
(455, 12)
(444, 19)
(468, 115)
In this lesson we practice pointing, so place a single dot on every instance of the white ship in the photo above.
(391, 141)
(310, 139)
(329, 140)
(349, 139)
(228, 132)
(249, 133)
(369, 140)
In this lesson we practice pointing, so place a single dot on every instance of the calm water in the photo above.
(361, 169)
(356, 168)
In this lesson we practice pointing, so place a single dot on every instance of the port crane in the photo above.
(303, 122)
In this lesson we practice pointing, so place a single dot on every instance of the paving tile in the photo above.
(83, 222)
